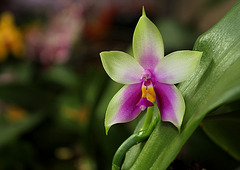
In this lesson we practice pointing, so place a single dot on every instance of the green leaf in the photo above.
(224, 131)
(216, 82)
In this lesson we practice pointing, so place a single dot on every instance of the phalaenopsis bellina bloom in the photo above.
(149, 77)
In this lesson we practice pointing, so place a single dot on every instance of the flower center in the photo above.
(147, 87)
(146, 76)
(148, 96)
(148, 92)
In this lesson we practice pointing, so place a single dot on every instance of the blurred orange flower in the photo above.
(15, 113)
(11, 40)
(80, 115)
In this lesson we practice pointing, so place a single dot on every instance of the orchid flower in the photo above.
(149, 77)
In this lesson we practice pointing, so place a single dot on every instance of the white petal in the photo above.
(147, 43)
(123, 106)
(170, 103)
(121, 67)
(177, 66)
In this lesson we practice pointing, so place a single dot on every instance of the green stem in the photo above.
(135, 138)
(120, 153)
(148, 118)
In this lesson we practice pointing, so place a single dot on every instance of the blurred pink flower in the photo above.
(54, 43)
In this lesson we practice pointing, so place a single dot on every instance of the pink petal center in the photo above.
(148, 93)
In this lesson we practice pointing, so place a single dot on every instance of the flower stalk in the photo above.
(139, 136)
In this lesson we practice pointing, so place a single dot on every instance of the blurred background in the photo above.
(54, 91)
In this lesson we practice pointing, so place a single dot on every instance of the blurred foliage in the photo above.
(224, 131)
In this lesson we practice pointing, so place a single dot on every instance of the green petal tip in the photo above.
(143, 11)
(107, 129)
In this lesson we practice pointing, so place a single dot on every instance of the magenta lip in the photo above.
(144, 103)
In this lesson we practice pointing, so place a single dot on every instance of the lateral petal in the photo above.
(170, 103)
(121, 67)
(177, 66)
(123, 106)
(147, 43)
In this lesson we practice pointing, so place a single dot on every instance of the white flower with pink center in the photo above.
(149, 77)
